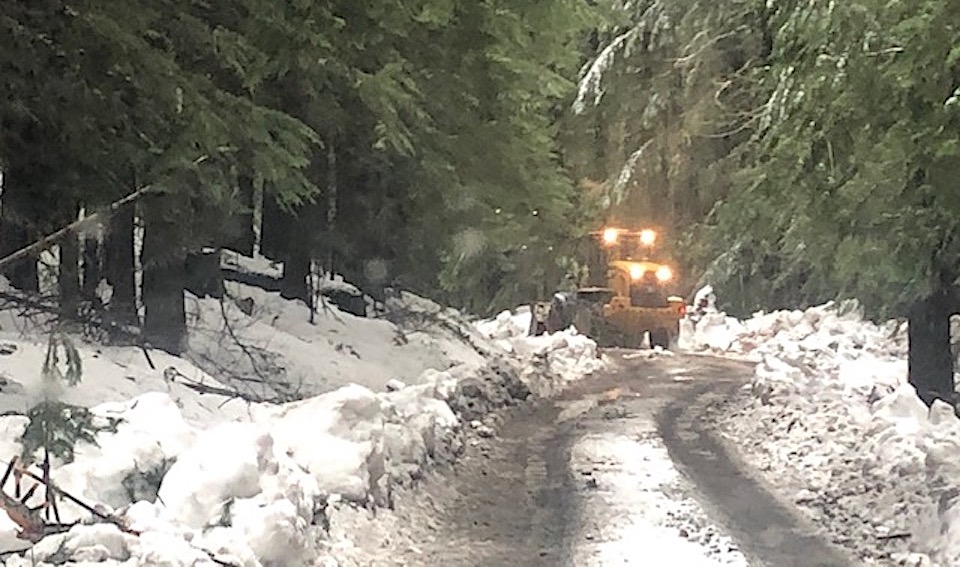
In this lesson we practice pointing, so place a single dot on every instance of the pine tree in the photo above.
(859, 125)
(55, 426)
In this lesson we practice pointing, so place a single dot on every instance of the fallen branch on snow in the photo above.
(34, 524)
(899, 535)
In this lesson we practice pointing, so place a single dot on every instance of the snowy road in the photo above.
(588, 480)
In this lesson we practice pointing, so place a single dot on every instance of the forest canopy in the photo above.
(401, 144)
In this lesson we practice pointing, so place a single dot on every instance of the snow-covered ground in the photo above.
(192, 475)
(831, 422)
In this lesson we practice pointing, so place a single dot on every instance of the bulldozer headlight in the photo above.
(636, 272)
(610, 236)
(648, 237)
(664, 274)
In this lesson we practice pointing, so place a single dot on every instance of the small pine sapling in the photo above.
(56, 426)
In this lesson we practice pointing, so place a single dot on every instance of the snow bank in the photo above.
(199, 478)
(115, 374)
(253, 490)
(551, 361)
(258, 334)
(835, 427)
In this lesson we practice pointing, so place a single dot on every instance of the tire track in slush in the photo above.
(770, 533)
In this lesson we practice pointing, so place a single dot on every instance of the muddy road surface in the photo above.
(619, 470)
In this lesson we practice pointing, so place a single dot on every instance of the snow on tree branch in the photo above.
(626, 173)
(589, 85)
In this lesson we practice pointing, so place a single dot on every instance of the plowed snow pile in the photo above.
(191, 476)
(831, 422)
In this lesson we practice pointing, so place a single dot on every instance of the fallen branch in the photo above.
(171, 374)
(67, 496)
(51, 239)
(32, 524)
(254, 365)
(898, 535)
(28, 519)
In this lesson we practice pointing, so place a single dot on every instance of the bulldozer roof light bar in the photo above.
(612, 235)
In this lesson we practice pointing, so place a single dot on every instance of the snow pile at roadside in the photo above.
(833, 425)
(199, 478)
(551, 361)
(250, 491)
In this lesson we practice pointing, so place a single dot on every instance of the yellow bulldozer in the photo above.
(633, 301)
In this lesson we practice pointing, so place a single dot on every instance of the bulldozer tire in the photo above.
(659, 338)
(674, 342)
(537, 328)
(608, 337)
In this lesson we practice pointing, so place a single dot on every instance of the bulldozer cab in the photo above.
(631, 270)
(626, 245)
(606, 253)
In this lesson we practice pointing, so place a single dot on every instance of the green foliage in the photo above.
(450, 166)
(55, 426)
(800, 150)
(663, 105)
(860, 126)
(392, 129)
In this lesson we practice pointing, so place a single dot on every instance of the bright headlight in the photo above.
(648, 237)
(610, 235)
(636, 272)
(664, 274)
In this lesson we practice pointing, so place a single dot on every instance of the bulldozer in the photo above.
(633, 302)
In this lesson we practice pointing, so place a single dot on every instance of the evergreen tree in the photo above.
(860, 127)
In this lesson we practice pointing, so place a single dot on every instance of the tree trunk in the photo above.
(275, 228)
(204, 278)
(240, 236)
(119, 266)
(333, 195)
(68, 264)
(929, 360)
(91, 269)
(68, 280)
(164, 322)
(285, 237)
(15, 209)
(296, 268)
